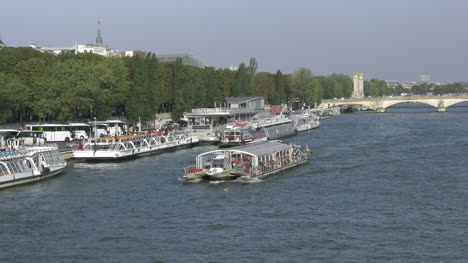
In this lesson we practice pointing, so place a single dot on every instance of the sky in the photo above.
(389, 40)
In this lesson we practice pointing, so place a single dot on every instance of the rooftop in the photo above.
(239, 100)
(262, 148)
(187, 59)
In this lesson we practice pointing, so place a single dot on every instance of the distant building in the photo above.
(410, 84)
(133, 53)
(233, 68)
(2, 45)
(255, 103)
(405, 84)
(187, 59)
(98, 48)
(425, 78)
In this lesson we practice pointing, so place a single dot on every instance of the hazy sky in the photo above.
(385, 39)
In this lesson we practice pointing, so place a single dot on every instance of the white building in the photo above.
(98, 48)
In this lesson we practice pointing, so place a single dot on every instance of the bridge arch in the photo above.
(381, 103)
(387, 104)
(453, 102)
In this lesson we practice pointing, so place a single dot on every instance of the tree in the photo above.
(249, 87)
(213, 85)
(280, 85)
(344, 85)
(307, 88)
(241, 82)
(265, 83)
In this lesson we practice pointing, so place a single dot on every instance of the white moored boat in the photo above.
(29, 164)
(119, 147)
(244, 163)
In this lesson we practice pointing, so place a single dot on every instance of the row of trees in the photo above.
(424, 88)
(36, 86)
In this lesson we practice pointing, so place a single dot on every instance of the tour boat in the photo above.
(305, 123)
(29, 165)
(237, 136)
(262, 128)
(245, 163)
(118, 147)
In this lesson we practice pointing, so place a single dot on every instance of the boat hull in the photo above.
(123, 155)
(31, 179)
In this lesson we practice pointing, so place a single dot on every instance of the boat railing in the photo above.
(191, 169)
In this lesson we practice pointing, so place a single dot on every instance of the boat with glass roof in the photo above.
(29, 165)
(247, 162)
(119, 147)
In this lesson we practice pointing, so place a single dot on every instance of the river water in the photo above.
(387, 187)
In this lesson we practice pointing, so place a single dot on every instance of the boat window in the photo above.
(20, 166)
(12, 167)
(3, 169)
(103, 147)
(191, 121)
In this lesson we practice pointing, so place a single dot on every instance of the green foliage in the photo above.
(450, 88)
(36, 86)
(306, 87)
(375, 88)
(422, 88)
(241, 82)
(142, 98)
(280, 86)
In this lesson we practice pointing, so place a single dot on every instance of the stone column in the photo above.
(441, 106)
(361, 85)
(355, 85)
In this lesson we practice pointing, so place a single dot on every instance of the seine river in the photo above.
(387, 187)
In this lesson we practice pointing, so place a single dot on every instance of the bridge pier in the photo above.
(380, 110)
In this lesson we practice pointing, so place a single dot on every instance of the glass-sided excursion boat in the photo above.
(247, 162)
(29, 165)
(119, 147)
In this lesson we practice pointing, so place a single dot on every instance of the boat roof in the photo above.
(8, 130)
(240, 100)
(262, 148)
(10, 155)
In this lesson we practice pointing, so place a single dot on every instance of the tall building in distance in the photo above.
(358, 85)
(425, 77)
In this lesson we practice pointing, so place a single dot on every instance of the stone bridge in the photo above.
(380, 104)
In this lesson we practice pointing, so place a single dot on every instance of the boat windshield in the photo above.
(218, 163)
